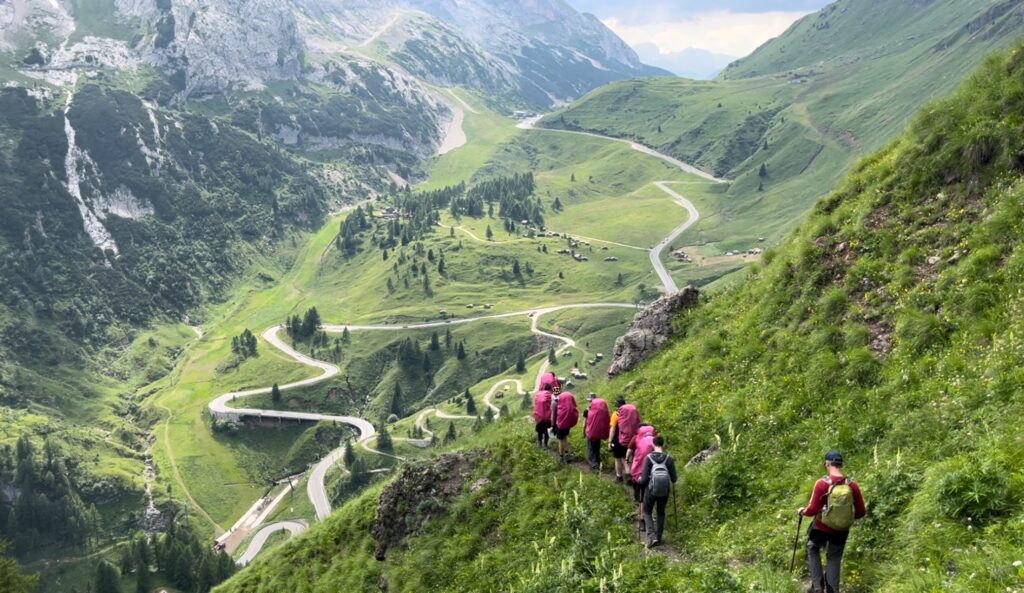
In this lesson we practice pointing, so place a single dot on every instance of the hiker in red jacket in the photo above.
(596, 428)
(565, 415)
(832, 521)
(625, 422)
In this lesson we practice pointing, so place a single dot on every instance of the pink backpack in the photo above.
(598, 421)
(644, 447)
(568, 413)
(542, 407)
(629, 422)
(549, 381)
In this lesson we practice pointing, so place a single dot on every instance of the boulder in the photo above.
(651, 328)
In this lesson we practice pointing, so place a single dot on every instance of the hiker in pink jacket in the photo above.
(564, 416)
(542, 416)
(596, 428)
(640, 448)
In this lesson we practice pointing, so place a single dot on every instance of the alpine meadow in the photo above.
(463, 296)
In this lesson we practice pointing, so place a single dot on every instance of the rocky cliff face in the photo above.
(419, 494)
(651, 328)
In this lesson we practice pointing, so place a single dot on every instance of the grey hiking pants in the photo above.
(834, 543)
(654, 532)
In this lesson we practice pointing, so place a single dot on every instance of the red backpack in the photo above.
(542, 407)
(598, 421)
(629, 423)
(568, 413)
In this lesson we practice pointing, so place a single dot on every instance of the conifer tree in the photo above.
(384, 442)
(451, 435)
(470, 403)
(521, 364)
(552, 357)
(275, 394)
(490, 233)
(349, 455)
(106, 579)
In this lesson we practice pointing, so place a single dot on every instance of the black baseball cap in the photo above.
(834, 457)
(620, 402)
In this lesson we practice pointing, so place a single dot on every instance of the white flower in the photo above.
(1018, 564)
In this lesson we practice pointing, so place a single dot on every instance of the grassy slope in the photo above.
(825, 95)
(885, 326)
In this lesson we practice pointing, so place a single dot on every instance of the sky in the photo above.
(730, 27)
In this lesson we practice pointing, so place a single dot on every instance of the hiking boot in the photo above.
(651, 543)
(618, 479)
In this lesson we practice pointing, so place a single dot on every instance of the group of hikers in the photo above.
(642, 462)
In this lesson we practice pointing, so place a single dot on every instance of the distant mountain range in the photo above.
(692, 62)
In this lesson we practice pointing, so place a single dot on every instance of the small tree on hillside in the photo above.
(489, 233)
(521, 364)
(527, 403)
(461, 354)
(275, 394)
(349, 455)
(451, 435)
(552, 357)
(470, 404)
(435, 342)
(489, 415)
(384, 442)
(763, 172)
(106, 579)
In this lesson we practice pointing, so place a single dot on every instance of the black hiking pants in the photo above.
(654, 532)
(594, 453)
(542, 433)
(833, 543)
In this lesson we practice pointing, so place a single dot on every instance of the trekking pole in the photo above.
(796, 543)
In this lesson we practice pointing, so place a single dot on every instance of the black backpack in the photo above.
(661, 480)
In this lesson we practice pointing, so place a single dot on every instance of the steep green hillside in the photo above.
(887, 326)
(837, 85)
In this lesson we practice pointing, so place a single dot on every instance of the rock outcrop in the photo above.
(419, 494)
(651, 328)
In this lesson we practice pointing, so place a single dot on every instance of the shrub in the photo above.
(918, 331)
(861, 366)
(975, 487)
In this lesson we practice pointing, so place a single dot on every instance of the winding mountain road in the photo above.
(316, 488)
(260, 539)
(667, 281)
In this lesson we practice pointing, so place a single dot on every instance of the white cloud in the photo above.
(730, 33)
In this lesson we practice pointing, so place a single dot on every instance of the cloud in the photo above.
(724, 32)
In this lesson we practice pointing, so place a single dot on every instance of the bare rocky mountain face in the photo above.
(650, 329)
